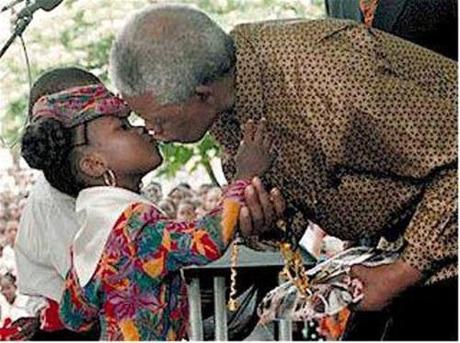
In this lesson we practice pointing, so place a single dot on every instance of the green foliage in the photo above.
(177, 155)
(81, 33)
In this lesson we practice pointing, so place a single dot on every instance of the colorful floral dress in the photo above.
(137, 291)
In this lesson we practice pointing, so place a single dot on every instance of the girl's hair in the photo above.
(46, 143)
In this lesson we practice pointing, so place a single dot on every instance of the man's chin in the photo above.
(180, 139)
(191, 139)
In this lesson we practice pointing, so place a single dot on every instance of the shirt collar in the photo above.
(98, 209)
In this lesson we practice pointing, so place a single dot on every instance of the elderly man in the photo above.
(363, 122)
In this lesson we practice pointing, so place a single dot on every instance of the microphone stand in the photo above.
(21, 25)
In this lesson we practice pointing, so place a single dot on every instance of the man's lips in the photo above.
(159, 137)
(150, 139)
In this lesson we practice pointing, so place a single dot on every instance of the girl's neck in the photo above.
(131, 183)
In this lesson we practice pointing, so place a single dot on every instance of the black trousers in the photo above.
(66, 335)
(424, 313)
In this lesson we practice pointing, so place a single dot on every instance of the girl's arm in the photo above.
(166, 245)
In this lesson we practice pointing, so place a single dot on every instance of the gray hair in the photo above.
(169, 50)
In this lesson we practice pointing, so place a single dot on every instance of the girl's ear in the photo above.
(93, 164)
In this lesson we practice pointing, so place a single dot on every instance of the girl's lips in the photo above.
(149, 138)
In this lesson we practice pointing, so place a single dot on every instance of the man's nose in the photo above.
(157, 132)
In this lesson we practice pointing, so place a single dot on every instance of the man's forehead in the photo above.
(145, 103)
(145, 98)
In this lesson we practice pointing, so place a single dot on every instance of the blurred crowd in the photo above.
(15, 185)
(183, 202)
(14, 189)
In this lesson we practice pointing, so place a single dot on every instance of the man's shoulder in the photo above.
(310, 27)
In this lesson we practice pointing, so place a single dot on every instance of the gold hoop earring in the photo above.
(110, 178)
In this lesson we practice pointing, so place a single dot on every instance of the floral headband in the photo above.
(79, 105)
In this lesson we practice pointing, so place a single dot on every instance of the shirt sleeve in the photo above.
(167, 245)
(75, 309)
(431, 236)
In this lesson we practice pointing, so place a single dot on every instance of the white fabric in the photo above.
(4, 268)
(20, 308)
(7, 261)
(98, 208)
(46, 230)
(311, 240)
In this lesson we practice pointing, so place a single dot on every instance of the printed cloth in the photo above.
(331, 291)
(75, 106)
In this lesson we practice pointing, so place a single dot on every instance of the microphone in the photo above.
(10, 5)
(46, 5)
(24, 17)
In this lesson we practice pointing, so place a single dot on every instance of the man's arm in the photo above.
(431, 244)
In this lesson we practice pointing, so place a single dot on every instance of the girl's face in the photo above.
(128, 150)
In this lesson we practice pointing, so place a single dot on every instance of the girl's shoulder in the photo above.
(137, 215)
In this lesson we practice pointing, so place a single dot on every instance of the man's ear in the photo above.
(93, 164)
(205, 93)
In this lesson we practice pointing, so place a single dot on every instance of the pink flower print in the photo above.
(126, 302)
(152, 216)
(118, 245)
(180, 227)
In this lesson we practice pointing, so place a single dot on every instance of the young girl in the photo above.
(127, 255)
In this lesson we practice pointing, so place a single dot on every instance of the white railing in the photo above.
(247, 259)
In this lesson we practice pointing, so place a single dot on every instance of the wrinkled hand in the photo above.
(383, 283)
(262, 209)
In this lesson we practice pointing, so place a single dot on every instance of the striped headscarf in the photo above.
(78, 105)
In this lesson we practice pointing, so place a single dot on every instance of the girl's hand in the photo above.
(253, 157)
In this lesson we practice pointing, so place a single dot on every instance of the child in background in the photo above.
(179, 193)
(12, 305)
(212, 198)
(8, 250)
(186, 210)
(126, 256)
(168, 208)
(153, 191)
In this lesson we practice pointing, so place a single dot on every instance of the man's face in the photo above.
(185, 123)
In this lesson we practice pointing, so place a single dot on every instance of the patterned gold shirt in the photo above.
(364, 125)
